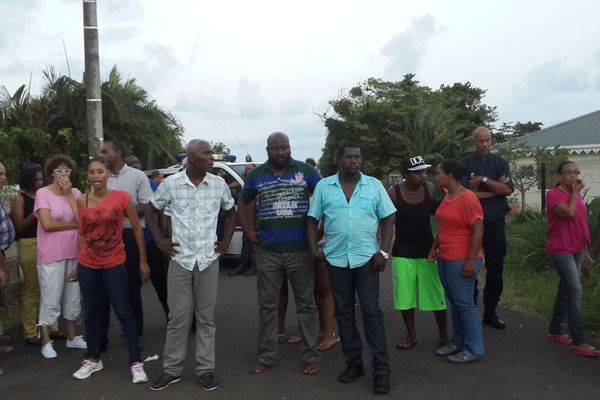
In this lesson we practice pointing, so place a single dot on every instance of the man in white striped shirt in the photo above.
(194, 197)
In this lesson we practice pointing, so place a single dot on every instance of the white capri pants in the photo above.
(56, 294)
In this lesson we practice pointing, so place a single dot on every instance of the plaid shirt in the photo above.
(7, 231)
(194, 211)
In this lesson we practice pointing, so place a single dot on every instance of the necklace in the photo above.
(454, 195)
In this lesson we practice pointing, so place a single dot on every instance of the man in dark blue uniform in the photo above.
(490, 179)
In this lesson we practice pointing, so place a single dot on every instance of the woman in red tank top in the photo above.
(100, 266)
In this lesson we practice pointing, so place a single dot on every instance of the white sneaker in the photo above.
(48, 350)
(137, 371)
(88, 367)
(76, 343)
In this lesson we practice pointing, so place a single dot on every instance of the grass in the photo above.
(531, 284)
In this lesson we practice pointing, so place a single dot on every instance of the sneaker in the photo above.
(88, 367)
(76, 343)
(48, 350)
(163, 381)
(447, 350)
(138, 373)
(465, 356)
(208, 381)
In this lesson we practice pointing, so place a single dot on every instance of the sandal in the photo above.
(311, 368)
(259, 368)
(586, 351)
(293, 340)
(562, 339)
(328, 343)
(282, 337)
(407, 344)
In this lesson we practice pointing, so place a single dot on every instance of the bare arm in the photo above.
(312, 234)
(3, 272)
(50, 225)
(164, 244)
(247, 213)
(139, 239)
(567, 210)
(386, 226)
(229, 226)
(475, 245)
(20, 222)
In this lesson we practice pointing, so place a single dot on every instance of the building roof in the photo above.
(578, 135)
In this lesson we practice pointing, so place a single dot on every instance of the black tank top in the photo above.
(31, 231)
(413, 237)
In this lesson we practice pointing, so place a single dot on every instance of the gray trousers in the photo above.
(273, 269)
(191, 292)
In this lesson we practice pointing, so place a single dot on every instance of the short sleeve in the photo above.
(553, 198)
(41, 201)
(162, 197)
(385, 206)
(316, 203)
(227, 201)
(503, 169)
(471, 209)
(249, 191)
(144, 192)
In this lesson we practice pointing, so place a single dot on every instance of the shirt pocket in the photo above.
(180, 207)
(210, 207)
(334, 207)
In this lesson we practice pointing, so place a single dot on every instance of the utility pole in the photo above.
(92, 78)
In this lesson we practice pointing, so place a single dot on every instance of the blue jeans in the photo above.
(346, 284)
(568, 299)
(111, 284)
(467, 332)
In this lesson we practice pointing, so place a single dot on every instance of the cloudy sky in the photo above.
(235, 71)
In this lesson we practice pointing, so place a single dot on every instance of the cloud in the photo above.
(295, 106)
(210, 106)
(156, 63)
(250, 103)
(405, 50)
(119, 34)
(555, 91)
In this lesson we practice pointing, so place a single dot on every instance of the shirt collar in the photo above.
(291, 165)
(184, 179)
(336, 181)
(121, 171)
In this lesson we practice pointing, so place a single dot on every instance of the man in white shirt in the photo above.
(194, 197)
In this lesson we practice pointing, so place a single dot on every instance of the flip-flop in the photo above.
(294, 340)
(311, 369)
(405, 345)
(562, 339)
(586, 351)
(327, 344)
(259, 368)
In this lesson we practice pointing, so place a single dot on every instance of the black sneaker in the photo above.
(163, 381)
(208, 381)
(352, 372)
(381, 384)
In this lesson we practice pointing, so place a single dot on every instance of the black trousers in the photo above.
(494, 246)
(159, 267)
(134, 285)
(346, 284)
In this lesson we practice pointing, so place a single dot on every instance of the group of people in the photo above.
(328, 238)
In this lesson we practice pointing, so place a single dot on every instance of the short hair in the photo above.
(28, 174)
(342, 149)
(117, 145)
(155, 174)
(454, 168)
(562, 165)
(56, 160)
(98, 160)
(311, 161)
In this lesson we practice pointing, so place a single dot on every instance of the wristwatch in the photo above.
(384, 254)
(485, 179)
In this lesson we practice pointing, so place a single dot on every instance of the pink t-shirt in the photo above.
(566, 235)
(59, 245)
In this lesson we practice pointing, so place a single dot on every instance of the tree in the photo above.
(32, 128)
(525, 175)
(219, 148)
(509, 131)
(391, 120)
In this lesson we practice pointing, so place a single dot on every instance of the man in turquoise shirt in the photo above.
(352, 206)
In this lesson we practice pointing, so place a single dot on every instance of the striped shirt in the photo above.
(7, 231)
(283, 204)
(194, 211)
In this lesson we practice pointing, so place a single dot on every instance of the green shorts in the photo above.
(412, 275)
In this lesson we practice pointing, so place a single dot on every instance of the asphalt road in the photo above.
(519, 363)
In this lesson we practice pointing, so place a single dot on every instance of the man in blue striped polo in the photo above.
(276, 194)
